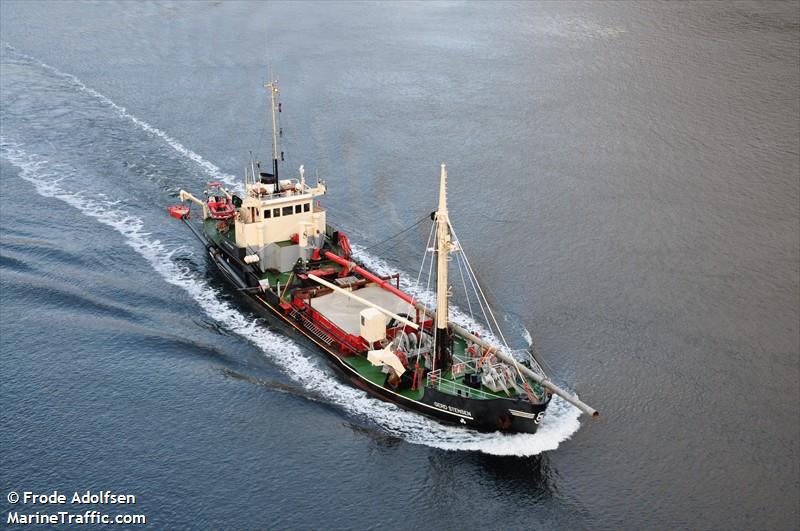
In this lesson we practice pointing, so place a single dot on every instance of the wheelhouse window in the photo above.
(306, 207)
(287, 211)
(267, 213)
(276, 212)
(298, 209)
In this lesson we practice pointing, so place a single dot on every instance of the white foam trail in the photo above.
(211, 169)
(561, 422)
(374, 263)
(526, 335)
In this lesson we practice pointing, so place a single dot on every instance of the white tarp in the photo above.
(344, 312)
(386, 357)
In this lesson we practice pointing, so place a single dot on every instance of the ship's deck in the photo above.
(344, 313)
(450, 381)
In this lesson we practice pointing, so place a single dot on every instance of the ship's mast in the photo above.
(443, 247)
(273, 94)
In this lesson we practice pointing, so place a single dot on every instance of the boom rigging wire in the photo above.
(419, 276)
(481, 295)
(398, 234)
(466, 292)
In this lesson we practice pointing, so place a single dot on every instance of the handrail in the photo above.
(470, 366)
(279, 195)
(436, 381)
(544, 381)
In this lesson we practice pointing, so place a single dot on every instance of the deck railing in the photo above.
(462, 366)
(436, 381)
(468, 365)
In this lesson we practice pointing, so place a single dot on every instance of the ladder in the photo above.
(314, 329)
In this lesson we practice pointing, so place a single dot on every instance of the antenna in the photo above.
(272, 86)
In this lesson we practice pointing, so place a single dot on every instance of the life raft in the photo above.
(220, 210)
(178, 211)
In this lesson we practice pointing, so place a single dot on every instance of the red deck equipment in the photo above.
(369, 276)
(178, 211)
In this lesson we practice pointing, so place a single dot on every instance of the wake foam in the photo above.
(376, 264)
(561, 422)
(526, 334)
(211, 169)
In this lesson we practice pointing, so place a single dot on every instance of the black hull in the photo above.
(501, 414)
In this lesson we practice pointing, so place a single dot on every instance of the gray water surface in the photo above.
(625, 177)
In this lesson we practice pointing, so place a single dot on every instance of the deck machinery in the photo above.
(275, 246)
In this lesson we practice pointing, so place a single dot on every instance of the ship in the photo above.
(273, 243)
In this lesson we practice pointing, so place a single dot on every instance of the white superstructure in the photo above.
(267, 216)
(274, 210)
